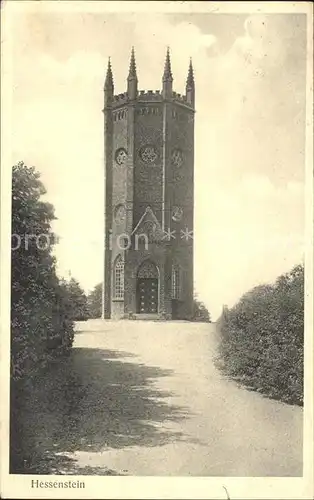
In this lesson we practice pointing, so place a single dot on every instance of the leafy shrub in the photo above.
(200, 312)
(78, 309)
(261, 338)
(41, 319)
(94, 301)
(41, 327)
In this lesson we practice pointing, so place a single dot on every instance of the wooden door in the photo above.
(147, 295)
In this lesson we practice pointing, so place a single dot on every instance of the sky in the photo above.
(249, 132)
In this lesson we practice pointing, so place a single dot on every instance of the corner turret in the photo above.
(167, 79)
(109, 87)
(190, 86)
(132, 78)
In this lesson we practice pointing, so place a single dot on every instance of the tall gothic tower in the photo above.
(149, 185)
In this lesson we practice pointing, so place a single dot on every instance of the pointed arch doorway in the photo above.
(147, 288)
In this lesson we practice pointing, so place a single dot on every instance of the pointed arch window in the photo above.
(175, 281)
(118, 278)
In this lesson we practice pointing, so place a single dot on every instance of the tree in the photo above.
(200, 312)
(77, 307)
(94, 301)
(40, 326)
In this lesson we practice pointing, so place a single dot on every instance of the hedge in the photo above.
(41, 323)
(262, 338)
(41, 326)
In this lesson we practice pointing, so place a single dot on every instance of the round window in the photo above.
(177, 214)
(121, 156)
(148, 154)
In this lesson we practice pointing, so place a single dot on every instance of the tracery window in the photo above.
(177, 158)
(119, 278)
(147, 270)
(148, 154)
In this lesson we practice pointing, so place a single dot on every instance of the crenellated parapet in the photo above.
(147, 96)
(179, 97)
(134, 95)
(120, 99)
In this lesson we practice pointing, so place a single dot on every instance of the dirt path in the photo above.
(144, 398)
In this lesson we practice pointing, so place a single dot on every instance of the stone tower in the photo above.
(149, 191)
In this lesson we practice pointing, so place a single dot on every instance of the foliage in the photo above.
(77, 300)
(94, 301)
(262, 338)
(200, 312)
(41, 328)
